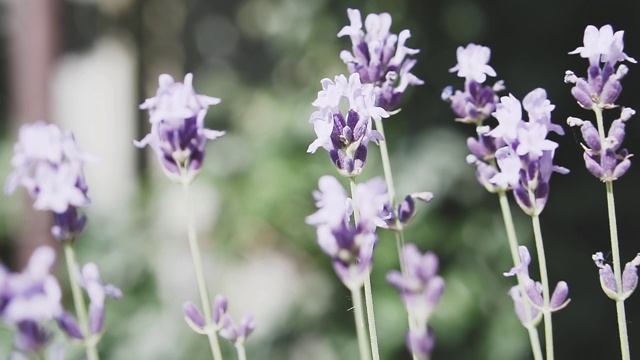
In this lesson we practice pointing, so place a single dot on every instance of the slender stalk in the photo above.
(242, 355)
(542, 262)
(356, 296)
(197, 263)
(615, 249)
(368, 294)
(615, 252)
(513, 246)
(78, 301)
(391, 191)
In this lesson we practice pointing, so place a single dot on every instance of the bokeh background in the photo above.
(87, 64)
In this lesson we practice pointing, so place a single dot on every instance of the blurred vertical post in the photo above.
(33, 47)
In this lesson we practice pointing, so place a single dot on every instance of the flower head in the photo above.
(379, 57)
(602, 45)
(345, 135)
(49, 165)
(473, 63)
(178, 135)
(350, 245)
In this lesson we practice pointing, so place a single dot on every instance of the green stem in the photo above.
(242, 355)
(391, 191)
(615, 249)
(356, 296)
(368, 294)
(542, 262)
(202, 286)
(615, 252)
(513, 246)
(78, 301)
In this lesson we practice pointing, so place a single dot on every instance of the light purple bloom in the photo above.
(420, 287)
(379, 57)
(345, 136)
(48, 164)
(602, 86)
(90, 279)
(178, 135)
(476, 103)
(350, 245)
(608, 281)
(30, 298)
(33, 294)
(473, 63)
(533, 289)
(606, 161)
(602, 45)
(526, 162)
(237, 334)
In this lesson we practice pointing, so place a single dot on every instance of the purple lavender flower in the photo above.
(421, 289)
(237, 333)
(605, 159)
(29, 298)
(89, 278)
(476, 103)
(178, 135)
(421, 342)
(48, 164)
(602, 86)
(533, 290)
(608, 280)
(526, 161)
(197, 321)
(379, 57)
(349, 245)
(345, 136)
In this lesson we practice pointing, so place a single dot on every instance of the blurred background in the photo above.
(87, 64)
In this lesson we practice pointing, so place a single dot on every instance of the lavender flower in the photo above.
(221, 321)
(602, 86)
(379, 57)
(526, 161)
(605, 159)
(48, 164)
(533, 290)
(178, 135)
(608, 280)
(29, 298)
(196, 320)
(237, 334)
(476, 102)
(89, 278)
(421, 289)
(345, 136)
(349, 245)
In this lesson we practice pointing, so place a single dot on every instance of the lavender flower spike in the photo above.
(476, 102)
(421, 289)
(379, 57)
(48, 164)
(559, 298)
(345, 136)
(29, 298)
(350, 246)
(90, 279)
(178, 135)
(237, 334)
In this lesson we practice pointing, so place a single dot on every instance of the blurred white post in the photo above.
(95, 96)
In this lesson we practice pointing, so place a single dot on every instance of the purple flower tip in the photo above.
(193, 314)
